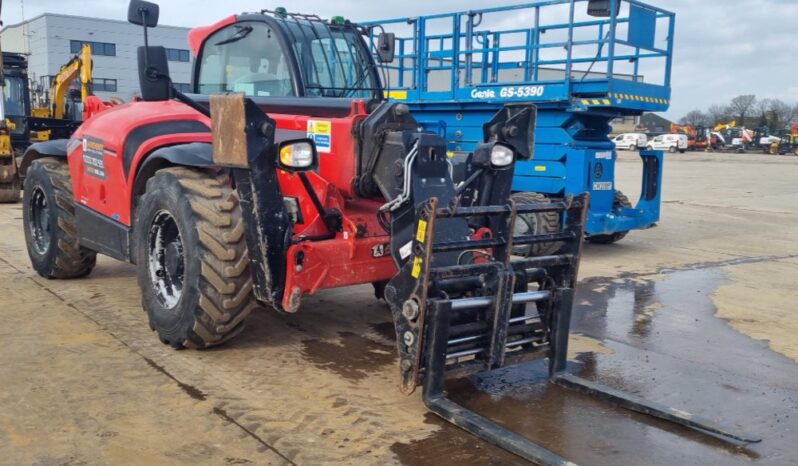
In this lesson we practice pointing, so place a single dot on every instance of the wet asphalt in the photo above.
(667, 346)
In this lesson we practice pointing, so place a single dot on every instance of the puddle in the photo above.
(353, 357)
(450, 445)
(658, 339)
(386, 330)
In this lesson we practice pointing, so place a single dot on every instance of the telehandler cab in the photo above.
(287, 173)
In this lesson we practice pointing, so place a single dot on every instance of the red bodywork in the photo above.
(127, 134)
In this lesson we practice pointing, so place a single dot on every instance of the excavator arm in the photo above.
(80, 65)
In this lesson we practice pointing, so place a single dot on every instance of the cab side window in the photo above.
(244, 57)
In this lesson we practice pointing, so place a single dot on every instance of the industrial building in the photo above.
(50, 40)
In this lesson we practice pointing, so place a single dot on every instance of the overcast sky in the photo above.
(723, 47)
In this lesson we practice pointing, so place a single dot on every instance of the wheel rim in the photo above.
(166, 260)
(39, 221)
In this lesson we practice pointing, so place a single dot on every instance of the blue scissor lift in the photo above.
(580, 66)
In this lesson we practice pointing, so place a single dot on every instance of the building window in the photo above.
(97, 48)
(177, 55)
(182, 87)
(104, 85)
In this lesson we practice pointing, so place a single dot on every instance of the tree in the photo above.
(760, 109)
(717, 114)
(779, 114)
(741, 107)
(695, 118)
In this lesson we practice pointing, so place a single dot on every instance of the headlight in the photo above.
(297, 155)
(501, 156)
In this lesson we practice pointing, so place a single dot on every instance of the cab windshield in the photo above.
(248, 57)
(14, 96)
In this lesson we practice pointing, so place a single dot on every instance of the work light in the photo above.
(297, 155)
(501, 156)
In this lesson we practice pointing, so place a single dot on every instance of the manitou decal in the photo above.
(93, 157)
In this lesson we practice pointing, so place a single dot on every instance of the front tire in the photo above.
(48, 216)
(672, 149)
(541, 223)
(619, 202)
(192, 259)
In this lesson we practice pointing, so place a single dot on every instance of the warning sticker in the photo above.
(421, 233)
(93, 158)
(416, 270)
(320, 131)
(404, 251)
(602, 185)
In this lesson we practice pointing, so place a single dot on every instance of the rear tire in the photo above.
(619, 202)
(672, 149)
(537, 224)
(48, 214)
(192, 260)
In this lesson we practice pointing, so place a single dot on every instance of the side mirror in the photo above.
(154, 77)
(386, 47)
(298, 155)
(602, 8)
(143, 13)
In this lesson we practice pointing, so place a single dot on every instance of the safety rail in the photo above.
(474, 55)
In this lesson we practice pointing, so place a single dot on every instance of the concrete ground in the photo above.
(698, 313)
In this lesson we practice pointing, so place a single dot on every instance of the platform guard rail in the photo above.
(584, 73)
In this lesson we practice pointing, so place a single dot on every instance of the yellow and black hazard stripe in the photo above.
(596, 102)
(640, 98)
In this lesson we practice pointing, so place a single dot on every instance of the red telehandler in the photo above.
(288, 172)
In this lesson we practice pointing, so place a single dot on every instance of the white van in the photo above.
(669, 142)
(630, 141)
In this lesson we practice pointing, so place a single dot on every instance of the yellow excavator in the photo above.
(9, 175)
(722, 126)
(79, 65)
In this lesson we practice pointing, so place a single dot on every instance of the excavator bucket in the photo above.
(9, 174)
(461, 303)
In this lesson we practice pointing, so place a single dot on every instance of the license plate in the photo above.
(602, 185)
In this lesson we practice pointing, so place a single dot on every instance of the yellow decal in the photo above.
(450, 153)
(540, 168)
(320, 131)
(417, 261)
(397, 94)
(421, 233)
